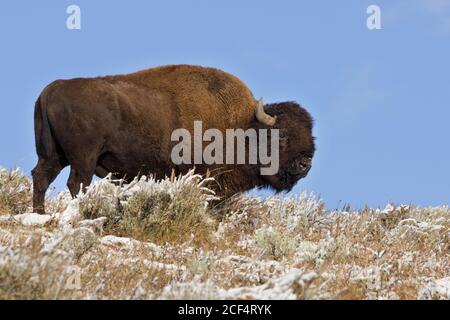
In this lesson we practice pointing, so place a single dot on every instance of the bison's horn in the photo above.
(262, 116)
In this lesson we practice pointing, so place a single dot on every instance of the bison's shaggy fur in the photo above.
(123, 124)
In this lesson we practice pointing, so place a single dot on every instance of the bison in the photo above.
(122, 124)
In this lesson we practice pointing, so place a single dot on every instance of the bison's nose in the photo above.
(307, 169)
(306, 165)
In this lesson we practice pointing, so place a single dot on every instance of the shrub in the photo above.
(102, 199)
(15, 191)
(274, 244)
(171, 210)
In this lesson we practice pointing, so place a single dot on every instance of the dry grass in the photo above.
(15, 191)
(16, 194)
(164, 240)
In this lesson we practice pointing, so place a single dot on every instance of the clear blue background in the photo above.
(380, 98)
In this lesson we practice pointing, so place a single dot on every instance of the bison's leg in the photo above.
(43, 174)
(76, 178)
(80, 173)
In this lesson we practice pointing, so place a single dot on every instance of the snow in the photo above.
(436, 289)
(33, 219)
(119, 241)
(95, 224)
(129, 244)
(292, 285)
(71, 215)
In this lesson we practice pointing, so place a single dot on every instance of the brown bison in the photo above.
(123, 124)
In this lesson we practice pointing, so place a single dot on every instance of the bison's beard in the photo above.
(286, 179)
(282, 182)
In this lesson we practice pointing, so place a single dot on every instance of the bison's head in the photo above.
(296, 144)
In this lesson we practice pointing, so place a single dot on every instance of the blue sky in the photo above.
(380, 98)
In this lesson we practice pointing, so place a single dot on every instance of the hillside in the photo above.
(166, 240)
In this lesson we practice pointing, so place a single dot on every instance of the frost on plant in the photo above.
(274, 244)
(171, 209)
(15, 191)
(166, 240)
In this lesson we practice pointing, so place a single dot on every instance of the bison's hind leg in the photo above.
(44, 174)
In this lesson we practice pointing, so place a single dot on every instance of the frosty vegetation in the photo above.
(171, 240)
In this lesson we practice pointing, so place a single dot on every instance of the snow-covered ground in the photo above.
(107, 245)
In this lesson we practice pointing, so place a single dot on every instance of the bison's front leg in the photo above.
(79, 176)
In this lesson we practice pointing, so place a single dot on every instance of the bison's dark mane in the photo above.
(292, 108)
(289, 113)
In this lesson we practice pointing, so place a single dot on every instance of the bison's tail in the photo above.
(45, 144)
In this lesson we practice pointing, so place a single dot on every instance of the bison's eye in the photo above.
(300, 167)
